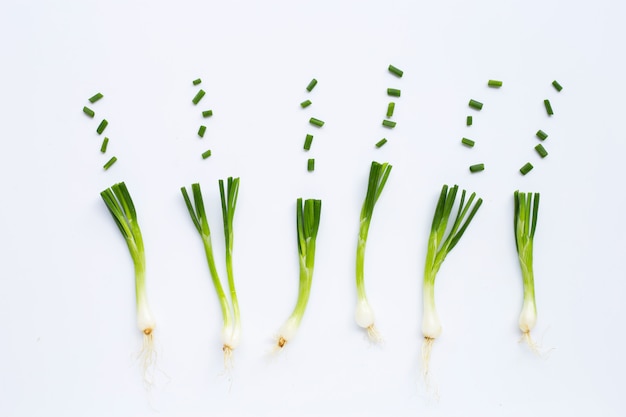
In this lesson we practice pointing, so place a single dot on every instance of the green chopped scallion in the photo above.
(109, 163)
(198, 97)
(388, 123)
(103, 124)
(89, 112)
(311, 85)
(305, 104)
(548, 107)
(556, 85)
(396, 71)
(394, 92)
(308, 141)
(206, 154)
(390, 108)
(477, 105)
(541, 134)
(316, 122)
(468, 142)
(310, 164)
(207, 113)
(541, 150)
(469, 121)
(526, 168)
(381, 142)
(98, 96)
(477, 168)
(494, 83)
(105, 143)
(201, 131)
(196, 81)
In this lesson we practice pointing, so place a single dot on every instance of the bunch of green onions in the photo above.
(307, 224)
(441, 241)
(231, 328)
(120, 205)
(525, 224)
(364, 314)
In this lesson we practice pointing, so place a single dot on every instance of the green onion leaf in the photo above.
(109, 163)
(556, 85)
(394, 92)
(477, 105)
(198, 97)
(316, 122)
(390, 108)
(206, 154)
(311, 85)
(396, 71)
(105, 143)
(494, 83)
(467, 142)
(196, 81)
(308, 141)
(310, 165)
(389, 124)
(207, 113)
(468, 121)
(95, 97)
(526, 168)
(103, 124)
(381, 142)
(89, 112)
(541, 150)
(477, 168)
(548, 106)
(541, 134)
(305, 103)
(201, 131)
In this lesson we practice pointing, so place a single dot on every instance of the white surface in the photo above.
(67, 326)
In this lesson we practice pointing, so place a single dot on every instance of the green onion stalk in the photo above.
(231, 329)
(364, 314)
(307, 223)
(440, 243)
(120, 205)
(526, 211)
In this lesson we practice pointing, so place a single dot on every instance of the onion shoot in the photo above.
(120, 205)
(439, 245)
(307, 224)
(231, 328)
(364, 315)
(526, 211)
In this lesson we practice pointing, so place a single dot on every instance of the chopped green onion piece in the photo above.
(526, 168)
(105, 143)
(310, 165)
(201, 131)
(381, 142)
(390, 108)
(541, 134)
(395, 71)
(477, 168)
(196, 81)
(206, 154)
(98, 96)
(311, 85)
(88, 112)
(394, 92)
(307, 223)
(469, 121)
(207, 113)
(388, 123)
(494, 83)
(548, 107)
(525, 225)
(198, 97)
(109, 163)
(541, 150)
(475, 104)
(468, 142)
(103, 124)
(316, 122)
(379, 173)
(305, 103)
(557, 85)
(308, 141)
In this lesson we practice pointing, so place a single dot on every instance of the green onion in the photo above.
(305, 103)
(468, 142)
(103, 125)
(198, 97)
(207, 113)
(469, 121)
(477, 168)
(316, 122)
(196, 81)
(389, 124)
(310, 164)
(307, 224)
(541, 134)
(230, 311)
(541, 150)
(526, 168)
(475, 104)
(548, 107)
(364, 315)
(556, 85)
(98, 96)
(109, 163)
(206, 154)
(525, 217)
(308, 141)
(494, 83)
(381, 142)
(88, 112)
(105, 143)
(201, 131)
(390, 107)
(394, 92)
(120, 205)
(311, 85)
(395, 71)
(439, 245)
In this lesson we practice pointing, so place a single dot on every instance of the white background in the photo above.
(67, 324)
